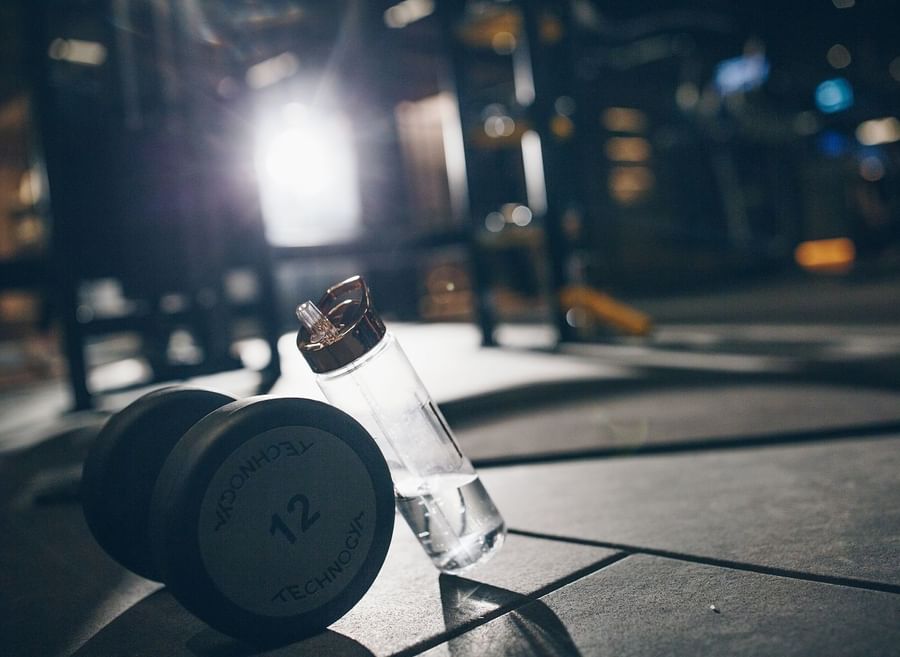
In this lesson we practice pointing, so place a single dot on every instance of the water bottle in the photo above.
(361, 368)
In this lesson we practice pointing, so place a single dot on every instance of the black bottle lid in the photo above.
(343, 327)
(272, 517)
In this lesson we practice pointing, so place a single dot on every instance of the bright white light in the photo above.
(272, 70)
(454, 152)
(743, 73)
(254, 353)
(307, 177)
(301, 158)
(878, 131)
(499, 126)
(78, 51)
(533, 161)
(408, 11)
(523, 77)
(521, 215)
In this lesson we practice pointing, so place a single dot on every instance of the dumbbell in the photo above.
(268, 518)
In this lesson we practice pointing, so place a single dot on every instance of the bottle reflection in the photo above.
(532, 628)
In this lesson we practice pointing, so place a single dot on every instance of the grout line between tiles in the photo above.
(879, 430)
(502, 610)
(722, 563)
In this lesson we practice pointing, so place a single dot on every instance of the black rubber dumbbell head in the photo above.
(271, 518)
(122, 467)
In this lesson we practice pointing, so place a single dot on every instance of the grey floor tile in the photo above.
(56, 586)
(829, 509)
(650, 606)
(671, 414)
(408, 604)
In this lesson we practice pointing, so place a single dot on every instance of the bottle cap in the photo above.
(341, 328)
(272, 517)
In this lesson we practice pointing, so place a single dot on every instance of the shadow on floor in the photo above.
(209, 643)
(531, 628)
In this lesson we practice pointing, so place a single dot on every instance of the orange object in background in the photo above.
(833, 256)
(607, 310)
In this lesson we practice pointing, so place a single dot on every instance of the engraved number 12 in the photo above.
(306, 520)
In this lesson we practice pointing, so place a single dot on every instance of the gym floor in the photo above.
(727, 486)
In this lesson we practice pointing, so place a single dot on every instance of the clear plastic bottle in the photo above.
(362, 370)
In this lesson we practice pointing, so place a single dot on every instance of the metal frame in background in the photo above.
(210, 318)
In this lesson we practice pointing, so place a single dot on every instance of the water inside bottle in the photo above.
(455, 521)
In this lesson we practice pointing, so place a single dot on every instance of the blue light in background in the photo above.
(741, 73)
(832, 144)
(834, 95)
